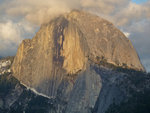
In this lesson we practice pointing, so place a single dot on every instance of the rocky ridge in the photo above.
(116, 87)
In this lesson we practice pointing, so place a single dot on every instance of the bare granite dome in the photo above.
(65, 45)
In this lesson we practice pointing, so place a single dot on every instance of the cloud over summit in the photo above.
(40, 11)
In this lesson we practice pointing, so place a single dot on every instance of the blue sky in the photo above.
(139, 1)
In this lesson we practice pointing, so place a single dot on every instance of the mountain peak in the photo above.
(65, 45)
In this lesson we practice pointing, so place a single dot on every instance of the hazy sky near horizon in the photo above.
(20, 19)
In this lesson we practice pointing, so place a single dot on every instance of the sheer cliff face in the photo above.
(63, 47)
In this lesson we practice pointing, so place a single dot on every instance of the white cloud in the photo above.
(132, 13)
(38, 11)
(11, 34)
(121, 12)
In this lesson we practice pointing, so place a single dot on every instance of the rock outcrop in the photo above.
(57, 61)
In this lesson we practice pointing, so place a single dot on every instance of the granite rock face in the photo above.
(57, 61)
